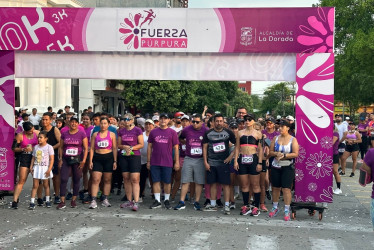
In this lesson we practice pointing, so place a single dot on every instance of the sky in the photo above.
(257, 86)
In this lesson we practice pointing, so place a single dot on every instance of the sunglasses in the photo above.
(248, 119)
(127, 119)
(196, 122)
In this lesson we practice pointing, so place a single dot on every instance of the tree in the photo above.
(278, 94)
(242, 99)
(354, 50)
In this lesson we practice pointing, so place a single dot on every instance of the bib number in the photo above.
(71, 151)
(247, 159)
(341, 150)
(219, 147)
(103, 144)
(183, 147)
(196, 151)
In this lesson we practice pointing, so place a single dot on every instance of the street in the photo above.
(345, 225)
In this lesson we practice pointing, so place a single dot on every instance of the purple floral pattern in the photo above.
(314, 113)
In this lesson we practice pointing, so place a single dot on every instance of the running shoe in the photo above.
(167, 204)
(40, 202)
(207, 201)
(219, 203)
(48, 204)
(106, 203)
(245, 210)
(135, 206)
(180, 206)
(226, 210)
(232, 205)
(14, 205)
(342, 173)
(197, 206)
(352, 174)
(126, 204)
(156, 204)
(93, 204)
(255, 212)
(32, 206)
(263, 208)
(268, 195)
(274, 212)
(57, 200)
(287, 215)
(73, 204)
(210, 208)
(87, 199)
(61, 206)
(236, 196)
(338, 191)
(69, 196)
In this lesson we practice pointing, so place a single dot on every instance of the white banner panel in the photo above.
(156, 66)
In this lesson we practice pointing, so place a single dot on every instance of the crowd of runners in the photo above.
(199, 155)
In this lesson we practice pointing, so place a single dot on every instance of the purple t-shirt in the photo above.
(73, 144)
(194, 138)
(88, 134)
(163, 141)
(362, 126)
(369, 161)
(270, 136)
(336, 144)
(130, 137)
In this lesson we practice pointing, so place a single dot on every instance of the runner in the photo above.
(41, 168)
(130, 140)
(144, 173)
(363, 129)
(341, 130)
(216, 153)
(86, 124)
(72, 157)
(250, 165)
(285, 149)
(352, 138)
(25, 142)
(193, 170)
(103, 160)
(54, 137)
(368, 165)
(335, 146)
(371, 130)
(161, 143)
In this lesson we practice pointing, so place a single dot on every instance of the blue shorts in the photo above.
(161, 174)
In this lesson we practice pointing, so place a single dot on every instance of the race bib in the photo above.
(71, 152)
(247, 159)
(196, 151)
(219, 147)
(103, 144)
(372, 133)
(341, 150)
(183, 147)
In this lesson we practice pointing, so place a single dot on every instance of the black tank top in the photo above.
(52, 140)
(248, 139)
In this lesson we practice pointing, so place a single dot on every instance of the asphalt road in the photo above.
(346, 224)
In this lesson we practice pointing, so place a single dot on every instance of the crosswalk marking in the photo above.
(196, 241)
(72, 239)
(262, 242)
(322, 244)
(17, 235)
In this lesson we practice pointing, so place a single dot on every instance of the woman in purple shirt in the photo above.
(130, 140)
(72, 155)
(368, 165)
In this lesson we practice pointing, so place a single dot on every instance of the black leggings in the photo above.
(143, 178)
(363, 146)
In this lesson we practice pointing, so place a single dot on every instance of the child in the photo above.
(41, 168)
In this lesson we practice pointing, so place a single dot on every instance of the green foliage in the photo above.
(242, 99)
(354, 45)
(276, 99)
(187, 96)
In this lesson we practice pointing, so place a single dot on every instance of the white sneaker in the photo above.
(338, 191)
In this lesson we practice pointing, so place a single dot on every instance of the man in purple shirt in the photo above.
(193, 166)
(368, 165)
(161, 142)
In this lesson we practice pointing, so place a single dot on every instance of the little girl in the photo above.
(41, 168)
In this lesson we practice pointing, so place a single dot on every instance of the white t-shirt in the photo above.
(35, 119)
(143, 151)
(341, 129)
(177, 129)
(41, 154)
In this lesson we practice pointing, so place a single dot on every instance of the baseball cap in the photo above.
(74, 119)
(67, 106)
(233, 125)
(165, 115)
(347, 118)
(25, 115)
(270, 119)
(24, 108)
(141, 121)
(149, 121)
(155, 118)
(284, 123)
(290, 118)
(178, 114)
(185, 117)
(279, 117)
